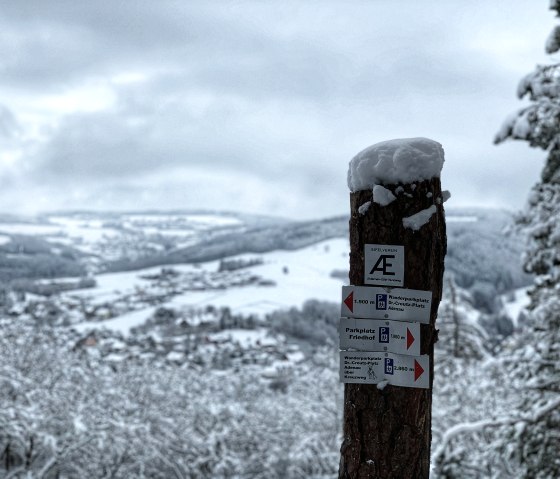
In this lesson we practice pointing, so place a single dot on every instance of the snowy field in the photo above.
(294, 276)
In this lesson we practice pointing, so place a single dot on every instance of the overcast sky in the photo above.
(256, 106)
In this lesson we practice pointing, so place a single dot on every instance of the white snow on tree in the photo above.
(519, 435)
(460, 333)
(553, 40)
(535, 364)
(541, 220)
(538, 123)
(524, 436)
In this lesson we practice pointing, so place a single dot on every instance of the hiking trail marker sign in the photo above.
(384, 264)
(379, 303)
(377, 335)
(363, 367)
(397, 238)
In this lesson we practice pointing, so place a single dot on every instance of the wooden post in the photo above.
(387, 432)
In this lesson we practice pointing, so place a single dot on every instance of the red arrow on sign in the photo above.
(418, 370)
(409, 338)
(349, 302)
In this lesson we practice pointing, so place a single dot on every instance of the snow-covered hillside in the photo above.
(127, 257)
(278, 280)
(170, 325)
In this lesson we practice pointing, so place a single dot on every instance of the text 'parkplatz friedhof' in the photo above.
(380, 326)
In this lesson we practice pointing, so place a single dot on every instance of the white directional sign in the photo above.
(378, 303)
(378, 335)
(384, 264)
(363, 367)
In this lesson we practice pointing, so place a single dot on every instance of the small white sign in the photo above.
(384, 264)
(379, 303)
(363, 367)
(376, 335)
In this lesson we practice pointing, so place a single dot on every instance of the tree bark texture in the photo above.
(387, 433)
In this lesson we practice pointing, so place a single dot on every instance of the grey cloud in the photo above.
(140, 23)
(124, 144)
(94, 145)
(34, 57)
(45, 44)
(223, 46)
(9, 126)
(283, 92)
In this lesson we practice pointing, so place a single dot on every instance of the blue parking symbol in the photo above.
(384, 335)
(388, 365)
(381, 301)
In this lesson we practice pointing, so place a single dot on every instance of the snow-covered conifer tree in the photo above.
(539, 125)
(536, 356)
(521, 436)
(460, 334)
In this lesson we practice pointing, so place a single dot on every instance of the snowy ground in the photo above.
(513, 306)
(122, 324)
(295, 277)
(307, 276)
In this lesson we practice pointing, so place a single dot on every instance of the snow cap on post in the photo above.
(395, 161)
